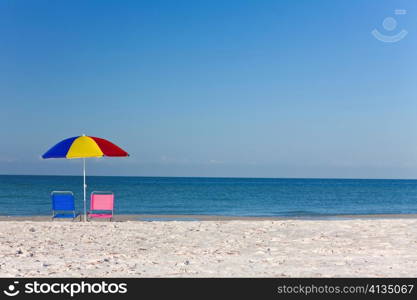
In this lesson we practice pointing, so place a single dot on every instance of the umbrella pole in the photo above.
(85, 187)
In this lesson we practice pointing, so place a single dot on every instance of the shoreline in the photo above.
(198, 218)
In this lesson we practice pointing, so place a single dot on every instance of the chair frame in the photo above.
(90, 210)
(74, 212)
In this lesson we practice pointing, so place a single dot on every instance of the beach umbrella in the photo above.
(84, 147)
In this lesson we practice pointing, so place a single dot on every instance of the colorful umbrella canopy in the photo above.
(84, 147)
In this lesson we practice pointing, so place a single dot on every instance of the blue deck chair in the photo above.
(64, 202)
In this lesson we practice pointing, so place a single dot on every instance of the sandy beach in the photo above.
(228, 248)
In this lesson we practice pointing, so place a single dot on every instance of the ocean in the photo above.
(30, 195)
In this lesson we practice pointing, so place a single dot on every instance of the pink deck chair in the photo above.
(101, 201)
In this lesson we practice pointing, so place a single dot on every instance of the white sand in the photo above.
(352, 248)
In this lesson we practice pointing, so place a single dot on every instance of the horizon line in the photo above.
(222, 177)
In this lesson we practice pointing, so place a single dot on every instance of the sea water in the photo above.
(30, 195)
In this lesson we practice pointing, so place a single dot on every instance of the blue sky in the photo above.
(211, 88)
